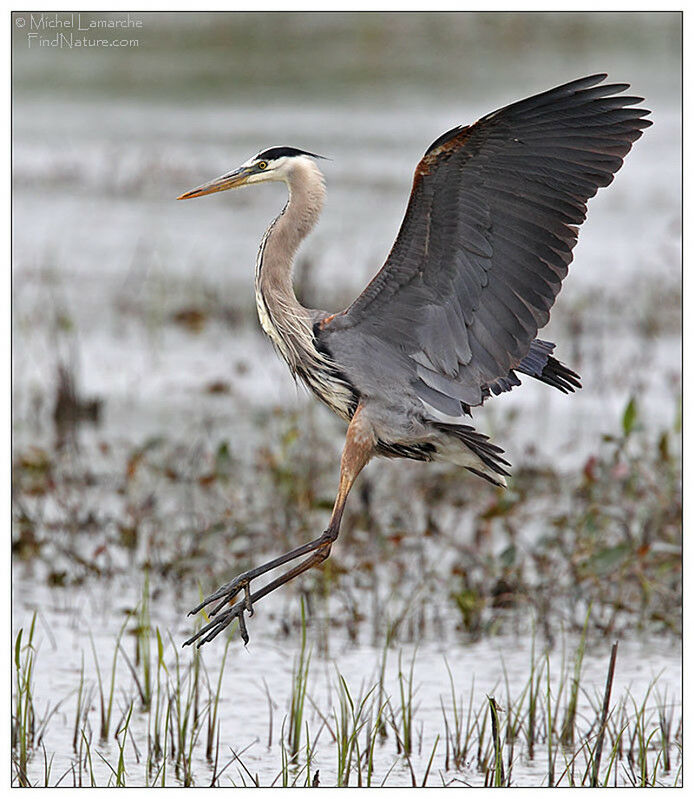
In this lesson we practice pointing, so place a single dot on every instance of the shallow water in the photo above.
(104, 258)
(491, 667)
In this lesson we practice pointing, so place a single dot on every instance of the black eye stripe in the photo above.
(282, 152)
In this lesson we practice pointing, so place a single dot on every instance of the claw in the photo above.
(242, 628)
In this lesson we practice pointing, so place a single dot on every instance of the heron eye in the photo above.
(262, 165)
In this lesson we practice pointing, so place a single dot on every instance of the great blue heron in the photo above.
(451, 317)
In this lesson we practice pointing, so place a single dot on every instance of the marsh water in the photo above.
(149, 302)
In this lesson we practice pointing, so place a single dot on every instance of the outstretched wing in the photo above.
(488, 236)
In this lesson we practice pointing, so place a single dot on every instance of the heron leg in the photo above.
(359, 447)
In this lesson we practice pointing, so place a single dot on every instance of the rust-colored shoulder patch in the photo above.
(423, 168)
(328, 319)
(449, 142)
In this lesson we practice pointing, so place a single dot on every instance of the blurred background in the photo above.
(154, 429)
(151, 300)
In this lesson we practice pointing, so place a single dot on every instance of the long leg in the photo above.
(359, 446)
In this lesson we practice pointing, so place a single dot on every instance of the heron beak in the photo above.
(232, 180)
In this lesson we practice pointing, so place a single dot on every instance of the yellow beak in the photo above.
(232, 180)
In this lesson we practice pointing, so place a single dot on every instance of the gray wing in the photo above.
(487, 239)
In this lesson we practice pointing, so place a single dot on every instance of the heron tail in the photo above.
(478, 455)
(540, 364)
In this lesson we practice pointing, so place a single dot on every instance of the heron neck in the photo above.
(281, 315)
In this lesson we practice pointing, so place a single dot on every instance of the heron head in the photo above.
(275, 163)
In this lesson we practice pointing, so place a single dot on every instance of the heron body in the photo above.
(451, 318)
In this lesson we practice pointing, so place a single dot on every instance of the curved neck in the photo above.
(281, 315)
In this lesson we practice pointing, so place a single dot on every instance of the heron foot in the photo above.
(219, 622)
(317, 551)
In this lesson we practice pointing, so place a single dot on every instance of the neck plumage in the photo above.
(283, 318)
